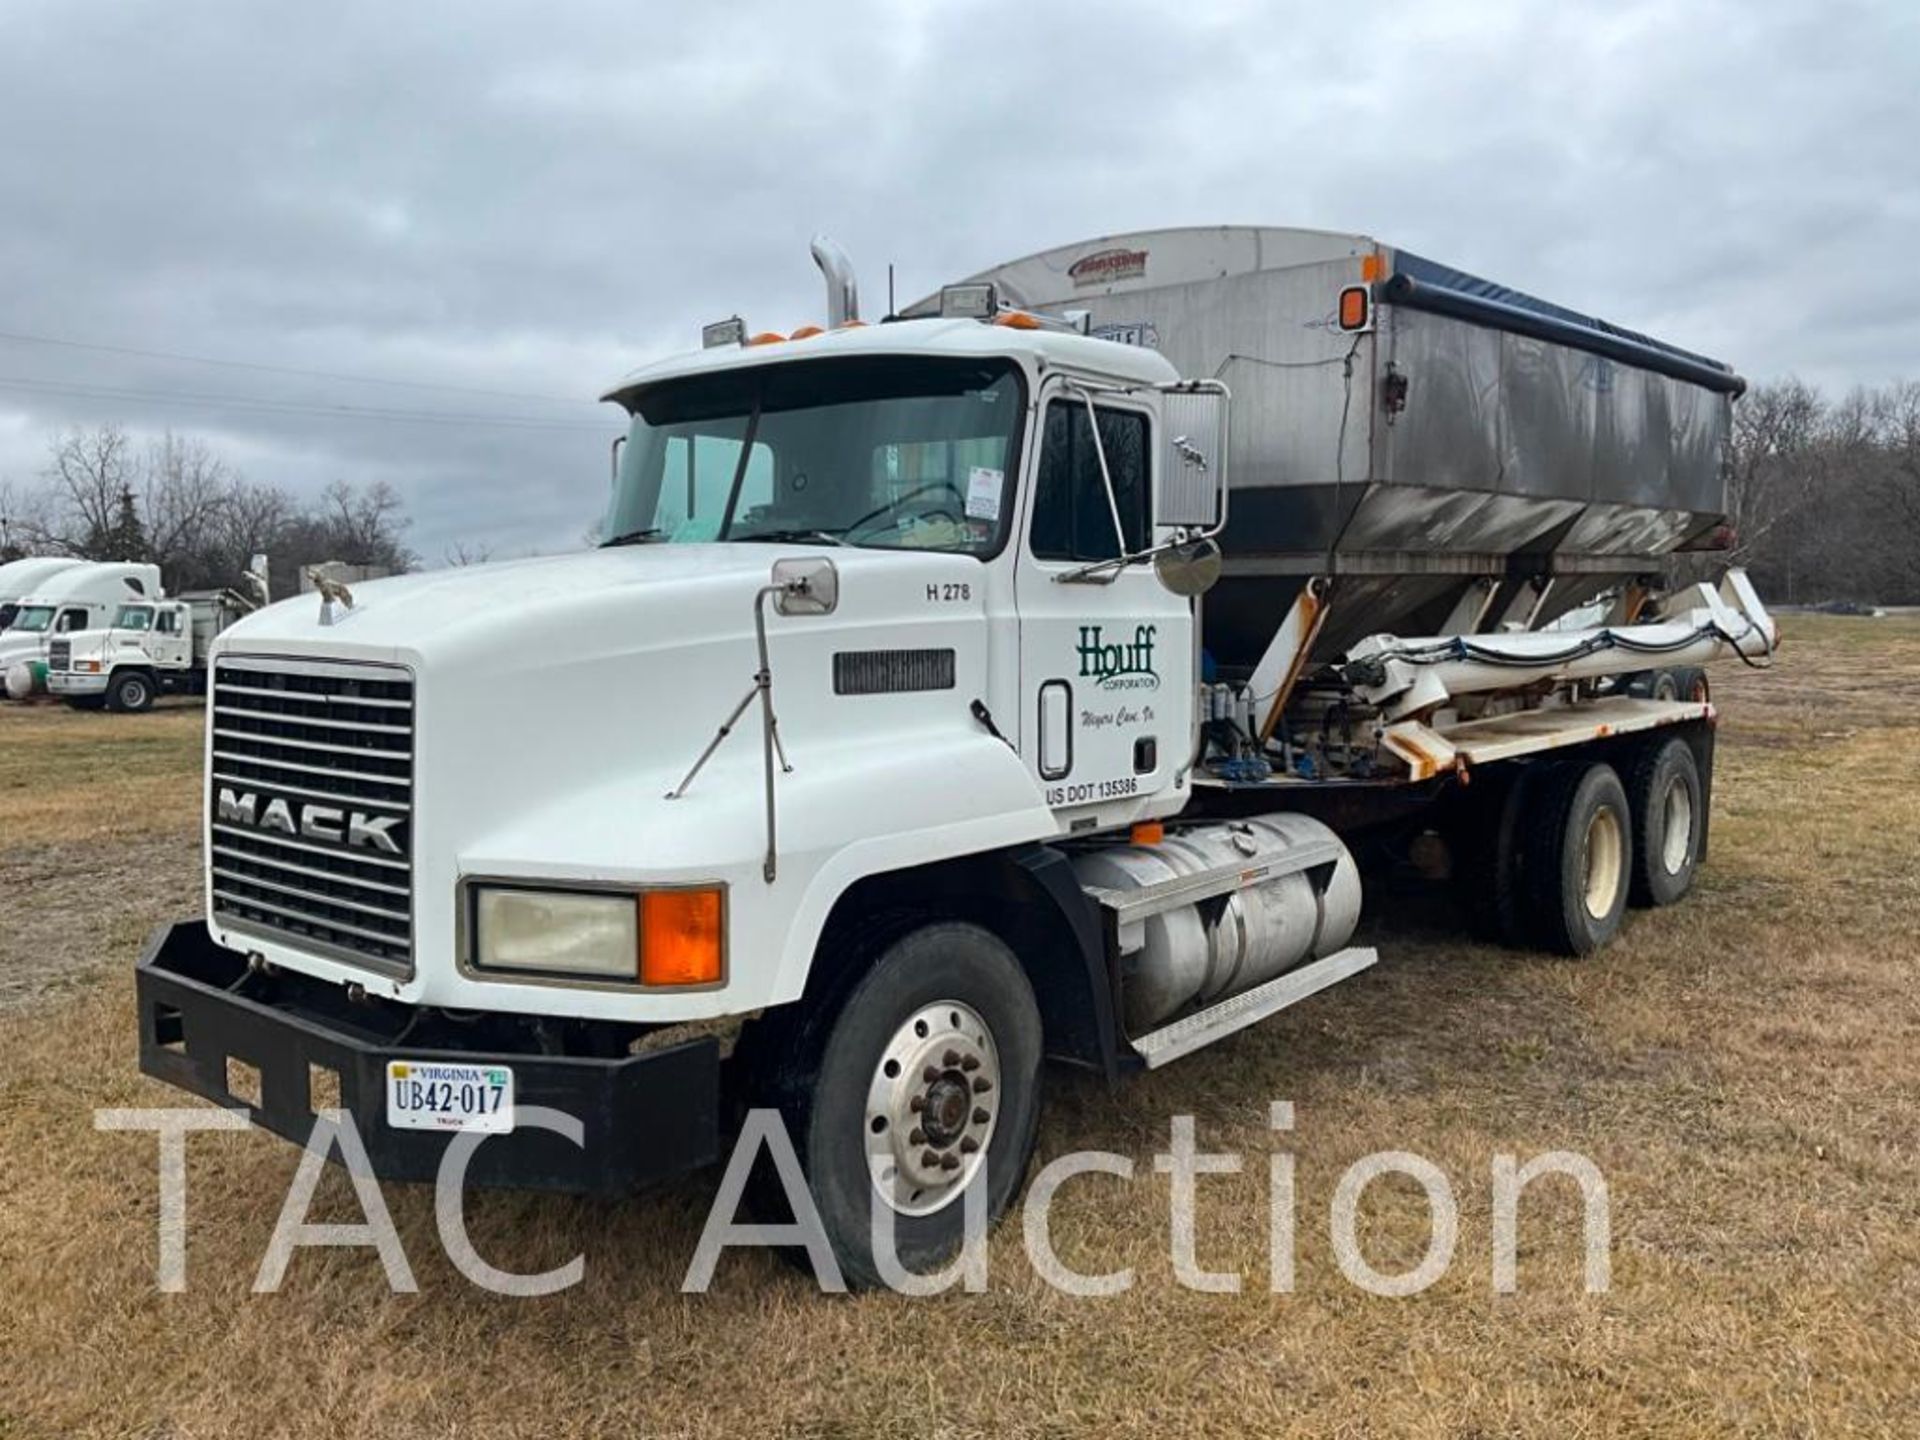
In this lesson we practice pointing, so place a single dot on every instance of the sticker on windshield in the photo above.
(983, 493)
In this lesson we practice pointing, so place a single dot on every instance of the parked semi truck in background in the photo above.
(69, 598)
(20, 578)
(958, 691)
(150, 649)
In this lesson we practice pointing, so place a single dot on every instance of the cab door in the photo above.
(1106, 659)
(170, 643)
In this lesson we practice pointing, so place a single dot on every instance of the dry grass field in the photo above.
(1744, 1069)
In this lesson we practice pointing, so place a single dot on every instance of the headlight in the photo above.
(667, 937)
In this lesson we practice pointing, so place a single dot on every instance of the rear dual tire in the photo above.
(1575, 859)
(1685, 682)
(1669, 814)
(1552, 855)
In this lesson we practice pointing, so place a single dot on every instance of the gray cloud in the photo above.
(535, 199)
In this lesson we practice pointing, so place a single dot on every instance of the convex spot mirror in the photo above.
(1189, 568)
(807, 585)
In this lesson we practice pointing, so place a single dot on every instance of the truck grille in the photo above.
(310, 806)
(59, 654)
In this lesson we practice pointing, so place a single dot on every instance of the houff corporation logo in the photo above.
(1126, 665)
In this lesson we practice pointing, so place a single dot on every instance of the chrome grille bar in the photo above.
(242, 857)
(310, 769)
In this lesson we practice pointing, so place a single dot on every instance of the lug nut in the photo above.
(949, 1162)
(980, 1117)
(981, 1085)
(970, 1064)
(950, 1059)
(917, 1104)
(931, 1159)
(916, 1137)
(968, 1145)
(930, 1074)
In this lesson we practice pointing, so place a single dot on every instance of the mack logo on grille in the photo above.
(334, 824)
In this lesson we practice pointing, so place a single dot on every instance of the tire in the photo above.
(1668, 809)
(130, 692)
(1665, 685)
(1576, 859)
(831, 1084)
(1485, 854)
(1691, 683)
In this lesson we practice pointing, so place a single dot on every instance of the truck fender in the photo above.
(1028, 895)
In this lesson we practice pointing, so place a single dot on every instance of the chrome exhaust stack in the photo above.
(843, 294)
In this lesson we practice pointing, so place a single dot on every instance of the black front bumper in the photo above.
(645, 1116)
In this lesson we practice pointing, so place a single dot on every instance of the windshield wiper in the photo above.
(810, 537)
(632, 537)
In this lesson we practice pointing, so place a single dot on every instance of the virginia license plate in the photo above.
(431, 1095)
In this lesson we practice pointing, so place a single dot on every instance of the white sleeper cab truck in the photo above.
(149, 650)
(891, 722)
(20, 578)
(71, 599)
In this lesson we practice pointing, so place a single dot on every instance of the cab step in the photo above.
(1203, 1027)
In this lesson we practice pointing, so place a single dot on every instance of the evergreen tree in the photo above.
(126, 537)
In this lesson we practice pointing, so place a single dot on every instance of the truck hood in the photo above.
(599, 602)
(18, 645)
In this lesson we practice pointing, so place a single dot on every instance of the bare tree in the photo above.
(91, 472)
(184, 489)
(24, 520)
(364, 525)
(462, 552)
(1770, 460)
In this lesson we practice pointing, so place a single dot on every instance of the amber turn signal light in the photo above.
(682, 937)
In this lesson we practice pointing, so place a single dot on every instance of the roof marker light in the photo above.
(968, 302)
(767, 337)
(806, 332)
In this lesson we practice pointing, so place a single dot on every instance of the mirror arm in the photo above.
(1091, 571)
(1106, 475)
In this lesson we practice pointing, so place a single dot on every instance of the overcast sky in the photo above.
(528, 200)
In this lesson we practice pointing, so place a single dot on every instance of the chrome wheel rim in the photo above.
(1676, 836)
(1606, 854)
(932, 1106)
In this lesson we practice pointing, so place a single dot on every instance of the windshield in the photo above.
(899, 453)
(133, 617)
(33, 617)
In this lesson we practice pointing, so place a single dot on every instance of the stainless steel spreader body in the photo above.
(1464, 434)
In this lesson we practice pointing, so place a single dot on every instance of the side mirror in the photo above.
(805, 585)
(1189, 568)
(1193, 455)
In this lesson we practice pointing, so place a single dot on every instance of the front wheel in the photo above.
(131, 692)
(925, 1085)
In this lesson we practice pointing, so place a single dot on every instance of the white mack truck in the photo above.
(148, 650)
(972, 688)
